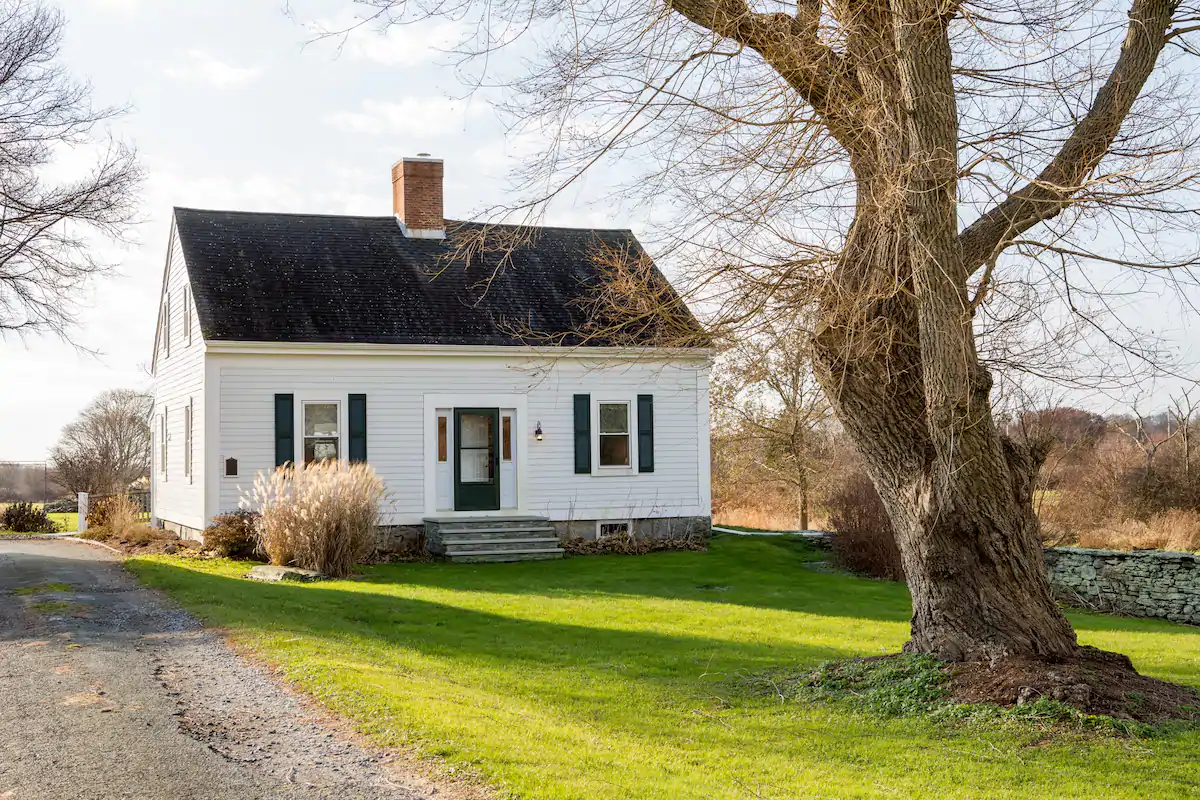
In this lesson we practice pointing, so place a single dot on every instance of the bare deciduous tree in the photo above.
(766, 388)
(108, 447)
(46, 218)
(826, 154)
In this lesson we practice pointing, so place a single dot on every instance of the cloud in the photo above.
(396, 45)
(200, 66)
(424, 116)
(126, 7)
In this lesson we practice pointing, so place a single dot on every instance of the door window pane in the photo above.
(442, 439)
(476, 450)
(506, 439)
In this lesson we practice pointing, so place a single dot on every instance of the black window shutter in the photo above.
(285, 423)
(583, 434)
(645, 428)
(358, 427)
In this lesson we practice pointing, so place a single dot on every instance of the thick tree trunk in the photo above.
(965, 526)
(896, 356)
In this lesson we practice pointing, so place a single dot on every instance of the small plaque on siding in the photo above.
(231, 468)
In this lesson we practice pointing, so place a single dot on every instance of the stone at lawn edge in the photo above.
(273, 574)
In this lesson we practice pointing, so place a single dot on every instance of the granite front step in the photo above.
(464, 545)
(487, 522)
(500, 532)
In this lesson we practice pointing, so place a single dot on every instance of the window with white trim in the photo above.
(613, 444)
(187, 440)
(322, 439)
(166, 326)
(187, 314)
(162, 443)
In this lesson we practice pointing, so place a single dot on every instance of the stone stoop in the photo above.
(486, 539)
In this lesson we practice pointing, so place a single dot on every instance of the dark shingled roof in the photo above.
(338, 279)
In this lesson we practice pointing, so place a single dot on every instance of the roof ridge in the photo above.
(280, 213)
(393, 216)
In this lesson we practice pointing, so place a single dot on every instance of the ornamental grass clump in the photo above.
(321, 516)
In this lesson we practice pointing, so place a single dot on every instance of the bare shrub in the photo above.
(627, 545)
(116, 515)
(863, 540)
(321, 516)
(234, 535)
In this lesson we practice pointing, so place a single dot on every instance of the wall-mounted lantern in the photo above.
(537, 432)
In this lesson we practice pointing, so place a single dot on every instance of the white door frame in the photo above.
(521, 436)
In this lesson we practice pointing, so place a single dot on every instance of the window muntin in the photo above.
(321, 432)
(613, 432)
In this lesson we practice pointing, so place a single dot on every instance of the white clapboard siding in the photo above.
(178, 380)
(396, 385)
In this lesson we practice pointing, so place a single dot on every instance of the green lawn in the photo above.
(621, 677)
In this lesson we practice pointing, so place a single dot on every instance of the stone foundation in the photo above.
(1144, 583)
(402, 539)
(661, 528)
(182, 531)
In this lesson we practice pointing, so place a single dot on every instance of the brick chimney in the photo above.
(417, 196)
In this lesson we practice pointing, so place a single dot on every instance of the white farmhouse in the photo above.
(291, 338)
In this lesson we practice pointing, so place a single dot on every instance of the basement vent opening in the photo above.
(607, 528)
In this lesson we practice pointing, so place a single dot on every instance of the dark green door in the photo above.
(476, 459)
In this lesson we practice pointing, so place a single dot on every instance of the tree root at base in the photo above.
(1095, 682)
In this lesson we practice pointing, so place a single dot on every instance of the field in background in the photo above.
(767, 519)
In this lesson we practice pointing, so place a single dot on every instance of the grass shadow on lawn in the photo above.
(380, 621)
(758, 572)
(610, 677)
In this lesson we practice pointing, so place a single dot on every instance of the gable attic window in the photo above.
(187, 314)
(321, 437)
(165, 326)
(613, 433)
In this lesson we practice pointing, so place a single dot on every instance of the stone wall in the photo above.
(1144, 583)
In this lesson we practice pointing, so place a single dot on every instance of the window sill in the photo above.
(601, 472)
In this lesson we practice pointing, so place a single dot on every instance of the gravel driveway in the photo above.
(107, 690)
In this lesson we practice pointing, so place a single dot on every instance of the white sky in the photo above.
(231, 109)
